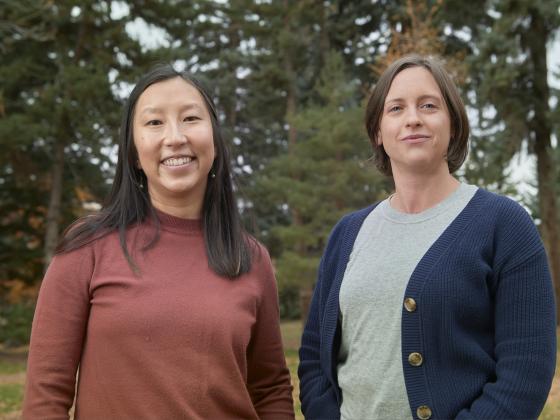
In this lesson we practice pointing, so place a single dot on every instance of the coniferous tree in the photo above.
(59, 119)
(324, 175)
(510, 72)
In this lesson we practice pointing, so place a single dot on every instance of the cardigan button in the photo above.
(410, 304)
(415, 359)
(424, 412)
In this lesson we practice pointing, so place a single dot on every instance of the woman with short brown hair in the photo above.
(436, 302)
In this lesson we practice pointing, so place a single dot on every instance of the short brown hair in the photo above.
(458, 144)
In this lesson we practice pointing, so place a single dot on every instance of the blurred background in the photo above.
(290, 79)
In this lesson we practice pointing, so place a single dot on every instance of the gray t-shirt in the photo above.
(388, 248)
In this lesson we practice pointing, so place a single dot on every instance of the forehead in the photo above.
(170, 93)
(413, 81)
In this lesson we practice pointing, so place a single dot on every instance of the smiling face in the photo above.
(173, 136)
(415, 127)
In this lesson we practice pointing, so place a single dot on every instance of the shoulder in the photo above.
(504, 212)
(71, 268)
(513, 230)
(259, 253)
(84, 231)
(82, 248)
(345, 231)
(261, 263)
(351, 221)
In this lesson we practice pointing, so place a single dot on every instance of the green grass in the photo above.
(551, 409)
(8, 368)
(291, 335)
(11, 396)
(11, 389)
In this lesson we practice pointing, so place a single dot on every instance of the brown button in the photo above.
(415, 359)
(424, 412)
(410, 304)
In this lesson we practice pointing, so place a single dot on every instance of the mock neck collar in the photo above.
(178, 224)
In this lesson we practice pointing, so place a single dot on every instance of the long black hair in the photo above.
(228, 246)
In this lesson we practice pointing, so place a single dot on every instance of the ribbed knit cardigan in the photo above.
(484, 323)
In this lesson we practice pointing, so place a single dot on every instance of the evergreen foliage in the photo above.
(290, 79)
(325, 175)
(61, 63)
(511, 91)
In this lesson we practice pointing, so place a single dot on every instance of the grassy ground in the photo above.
(551, 410)
(12, 378)
(291, 334)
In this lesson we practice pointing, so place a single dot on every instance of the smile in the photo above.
(416, 138)
(177, 161)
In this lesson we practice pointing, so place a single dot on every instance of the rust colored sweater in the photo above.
(176, 341)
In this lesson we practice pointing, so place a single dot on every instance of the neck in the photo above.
(179, 209)
(415, 193)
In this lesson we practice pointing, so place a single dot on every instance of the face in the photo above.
(173, 136)
(415, 126)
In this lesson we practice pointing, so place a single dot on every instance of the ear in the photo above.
(378, 139)
(138, 165)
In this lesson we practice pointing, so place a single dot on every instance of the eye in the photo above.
(154, 122)
(428, 105)
(394, 108)
(191, 118)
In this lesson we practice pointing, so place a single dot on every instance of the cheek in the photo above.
(137, 141)
(143, 151)
(445, 124)
(203, 137)
(447, 135)
(386, 131)
(139, 148)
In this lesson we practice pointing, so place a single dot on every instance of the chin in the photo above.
(186, 190)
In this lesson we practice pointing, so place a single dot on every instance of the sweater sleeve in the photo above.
(57, 335)
(268, 378)
(525, 327)
(318, 399)
(317, 393)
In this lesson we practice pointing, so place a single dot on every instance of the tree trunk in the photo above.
(57, 168)
(291, 108)
(536, 39)
(549, 210)
(53, 213)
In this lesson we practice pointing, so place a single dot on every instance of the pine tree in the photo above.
(59, 118)
(324, 175)
(509, 69)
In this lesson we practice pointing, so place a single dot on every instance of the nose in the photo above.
(413, 118)
(175, 135)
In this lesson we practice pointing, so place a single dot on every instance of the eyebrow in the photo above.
(155, 110)
(421, 98)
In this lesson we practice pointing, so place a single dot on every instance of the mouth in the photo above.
(415, 138)
(177, 160)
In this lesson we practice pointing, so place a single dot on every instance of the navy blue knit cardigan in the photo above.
(485, 319)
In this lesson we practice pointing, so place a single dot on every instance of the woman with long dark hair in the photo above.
(437, 302)
(165, 304)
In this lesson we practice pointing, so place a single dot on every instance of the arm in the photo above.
(57, 335)
(525, 332)
(319, 392)
(268, 377)
(318, 399)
